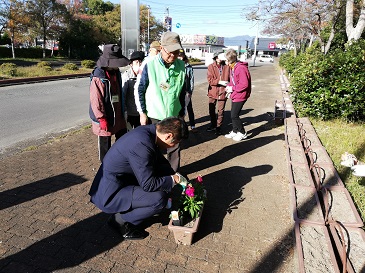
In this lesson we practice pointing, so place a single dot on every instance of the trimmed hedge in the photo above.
(328, 86)
(8, 69)
(70, 66)
(88, 63)
(24, 52)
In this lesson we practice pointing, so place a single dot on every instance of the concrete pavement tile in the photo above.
(149, 263)
(172, 258)
(122, 268)
(100, 264)
(202, 265)
(50, 184)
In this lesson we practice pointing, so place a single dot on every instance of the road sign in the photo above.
(272, 45)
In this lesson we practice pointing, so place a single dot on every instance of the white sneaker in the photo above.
(239, 136)
(230, 135)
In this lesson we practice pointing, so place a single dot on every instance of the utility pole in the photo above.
(257, 34)
(148, 27)
(168, 20)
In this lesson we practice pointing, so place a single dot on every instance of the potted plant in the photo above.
(186, 210)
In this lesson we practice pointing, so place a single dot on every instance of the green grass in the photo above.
(339, 137)
(34, 71)
(27, 68)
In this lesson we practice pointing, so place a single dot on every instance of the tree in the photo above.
(156, 28)
(98, 7)
(80, 38)
(48, 15)
(354, 33)
(13, 20)
(108, 26)
(302, 21)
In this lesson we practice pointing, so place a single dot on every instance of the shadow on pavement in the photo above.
(38, 189)
(66, 248)
(225, 193)
(227, 153)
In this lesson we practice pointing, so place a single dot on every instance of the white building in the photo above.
(201, 46)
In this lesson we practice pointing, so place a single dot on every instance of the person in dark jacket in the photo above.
(129, 79)
(188, 88)
(106, 104)
(218, 77)
(135, 178)
(239, 90)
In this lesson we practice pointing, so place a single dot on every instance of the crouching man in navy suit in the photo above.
(135, 178)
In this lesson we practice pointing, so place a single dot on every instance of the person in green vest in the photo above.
(160, 92)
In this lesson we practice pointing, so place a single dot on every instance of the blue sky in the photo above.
(211, 17)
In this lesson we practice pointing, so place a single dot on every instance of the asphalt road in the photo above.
(33, 112)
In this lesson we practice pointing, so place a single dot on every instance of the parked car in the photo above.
(266, 58)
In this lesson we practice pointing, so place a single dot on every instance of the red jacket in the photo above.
(102, 86)
(240, 81)
(215, 90)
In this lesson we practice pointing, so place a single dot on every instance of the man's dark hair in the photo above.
(174, 125)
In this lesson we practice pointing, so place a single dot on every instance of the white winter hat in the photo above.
(222, 57)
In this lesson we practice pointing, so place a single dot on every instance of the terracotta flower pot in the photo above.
(184, 234)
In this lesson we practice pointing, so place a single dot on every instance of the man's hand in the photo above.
(229, 89)
(143, 119)
(103, 124)
(179, 179)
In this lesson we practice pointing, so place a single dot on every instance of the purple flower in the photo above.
(189, 191)
(199, 179)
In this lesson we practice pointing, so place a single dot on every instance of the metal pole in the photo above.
(257, 33)
(130, 26)
(256, 38)
(148, 27)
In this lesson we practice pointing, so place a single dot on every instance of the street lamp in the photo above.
(148, 27)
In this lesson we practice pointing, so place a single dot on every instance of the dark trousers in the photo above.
(235, 116)
(216, 119)
(134, 121)
(191, 113)
(105, 142)
(144, 205)
(173, 153)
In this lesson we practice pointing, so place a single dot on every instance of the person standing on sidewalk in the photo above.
(188, 89)
(129, 78)
(106, 98)
(160, 88)
(155, 48)
(218, 77)
(239, 90)
(135, 178)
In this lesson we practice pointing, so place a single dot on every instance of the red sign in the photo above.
(272, 45)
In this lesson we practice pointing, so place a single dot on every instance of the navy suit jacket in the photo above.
(133, 160)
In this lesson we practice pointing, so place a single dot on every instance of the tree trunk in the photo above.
(330, 38)
(52, 48)
(354, 33)
(12, 44)
(44, 46)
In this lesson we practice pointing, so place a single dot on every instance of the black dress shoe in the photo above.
(218, 131)
(115, 225)
(132, 232)
(210, 129)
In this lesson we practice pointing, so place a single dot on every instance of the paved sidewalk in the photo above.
(48, 224)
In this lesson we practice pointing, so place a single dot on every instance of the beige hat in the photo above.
(156, 45)
(171, 41)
